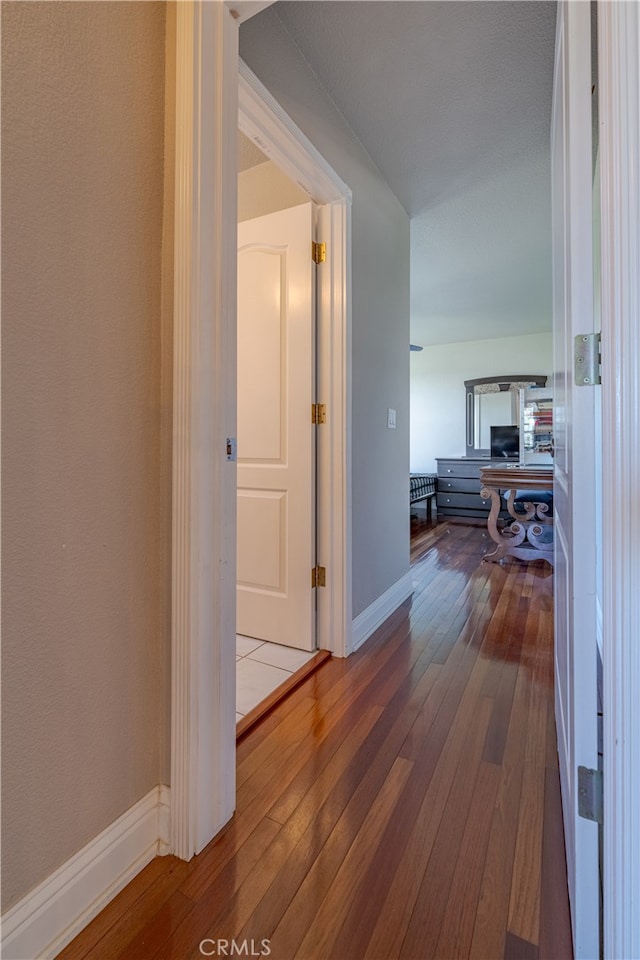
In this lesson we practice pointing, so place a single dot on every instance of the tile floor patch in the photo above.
(246, 645)
(287, 658)
(255, 681)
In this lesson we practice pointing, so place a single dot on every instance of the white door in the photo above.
(574, 430)
(276, 439)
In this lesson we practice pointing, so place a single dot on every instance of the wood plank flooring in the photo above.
(403, 803)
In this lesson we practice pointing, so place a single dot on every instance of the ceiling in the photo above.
(248, 154)
(452, 101)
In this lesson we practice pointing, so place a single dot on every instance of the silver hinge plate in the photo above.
(586, 357)
(590, 794)
(318, 413)
(319, 577)
(318, 252)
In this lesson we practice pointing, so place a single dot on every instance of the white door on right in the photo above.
(276, 438)
(575, 462)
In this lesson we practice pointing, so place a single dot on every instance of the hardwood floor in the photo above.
(403, 803)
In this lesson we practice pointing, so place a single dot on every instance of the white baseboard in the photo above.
(376, 613)
(49, 917)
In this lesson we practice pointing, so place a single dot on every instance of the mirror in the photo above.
(493, 401)
(493, 409)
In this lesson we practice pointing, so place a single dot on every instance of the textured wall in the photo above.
(265, 189)
(84, 630)
(380, 285)
(438, 417)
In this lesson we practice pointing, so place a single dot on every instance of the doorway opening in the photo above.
(204, 492)
(276, 438)
(268, 128)
(294, 485)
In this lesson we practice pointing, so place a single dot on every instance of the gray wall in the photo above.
(84, 531)
(438, 373)
(380, 368)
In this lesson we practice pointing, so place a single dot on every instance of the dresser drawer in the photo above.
(458, 490)
(458, 485)
(469, 501)
(475, 516)
(460, 468)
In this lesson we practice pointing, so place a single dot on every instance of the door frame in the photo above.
(262, 120)
(202, 796)
(619, 144)
(576, 702)
(203, 571)
(619, 114)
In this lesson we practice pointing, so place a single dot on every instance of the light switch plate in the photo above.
(391, 419)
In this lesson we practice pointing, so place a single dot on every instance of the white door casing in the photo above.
(204, 480)
(619, 111)
(206, 123)
(574, 475)
(207, 112)
(276, 438)
(264, 121)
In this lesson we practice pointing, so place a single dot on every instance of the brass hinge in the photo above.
(319, 577)
(318, 252)
(318, 413)
(590, 794)
(587, 360)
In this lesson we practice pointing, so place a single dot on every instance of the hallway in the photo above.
(402, 803)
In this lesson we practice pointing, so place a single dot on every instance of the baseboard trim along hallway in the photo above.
(367, 622)
(52, 914)
(401, 802)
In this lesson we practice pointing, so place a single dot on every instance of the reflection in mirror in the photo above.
(493, 401)
(493, 409)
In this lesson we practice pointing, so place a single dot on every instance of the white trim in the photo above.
(377, 612)
(262, 119)
(334, 550)
(619, 114)
(49, 917)
(204, 482)
(242, 10)
(575, 618)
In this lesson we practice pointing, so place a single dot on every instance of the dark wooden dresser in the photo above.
(458, 488)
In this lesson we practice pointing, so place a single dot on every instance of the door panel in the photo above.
(262, 389)
(262, 518)
(276, 442)
(575, 462)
